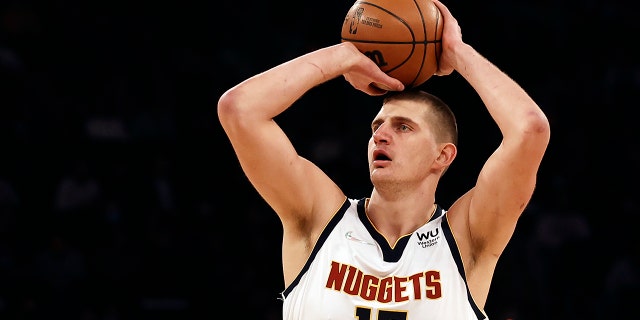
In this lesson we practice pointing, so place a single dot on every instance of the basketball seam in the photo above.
(413, 36)
(414, 44)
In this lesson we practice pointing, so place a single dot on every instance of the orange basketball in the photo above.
(403, 37)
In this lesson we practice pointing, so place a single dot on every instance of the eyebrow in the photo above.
(378, 121)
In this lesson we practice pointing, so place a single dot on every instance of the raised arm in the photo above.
(299, 192)
(508, 178)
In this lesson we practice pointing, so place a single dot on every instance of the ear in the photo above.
(448, 152)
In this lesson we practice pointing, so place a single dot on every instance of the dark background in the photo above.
(121, 198)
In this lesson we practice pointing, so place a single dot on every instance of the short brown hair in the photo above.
(443, 120)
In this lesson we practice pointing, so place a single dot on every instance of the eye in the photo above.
(404, 128)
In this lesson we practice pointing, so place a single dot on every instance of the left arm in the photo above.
(485, 218)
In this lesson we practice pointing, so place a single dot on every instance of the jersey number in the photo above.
(365, 314)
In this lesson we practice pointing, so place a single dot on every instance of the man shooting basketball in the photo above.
(395, 254)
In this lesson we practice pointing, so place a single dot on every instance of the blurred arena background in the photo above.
(120, 197)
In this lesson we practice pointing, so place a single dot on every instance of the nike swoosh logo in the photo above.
(349, 236)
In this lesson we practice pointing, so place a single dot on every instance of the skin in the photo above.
(403, 197)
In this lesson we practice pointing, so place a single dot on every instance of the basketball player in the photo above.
(395, 254)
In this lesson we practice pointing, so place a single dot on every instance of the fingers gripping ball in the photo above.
(403, 37)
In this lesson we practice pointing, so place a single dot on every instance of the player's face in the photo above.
(402, 146)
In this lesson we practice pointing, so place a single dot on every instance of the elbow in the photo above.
(228, 108)
(537, 128)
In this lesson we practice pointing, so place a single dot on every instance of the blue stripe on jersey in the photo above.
(455, 253)
(323, 237)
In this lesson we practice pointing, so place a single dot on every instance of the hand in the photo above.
(451, 38)
(364, 75)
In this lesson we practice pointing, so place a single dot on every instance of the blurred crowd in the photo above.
(120, 197)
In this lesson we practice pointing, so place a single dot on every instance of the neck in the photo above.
(395, 218)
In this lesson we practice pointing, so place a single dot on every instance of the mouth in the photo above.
(380, 156)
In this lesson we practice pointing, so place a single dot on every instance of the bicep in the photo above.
(289, 183)
(504, 188)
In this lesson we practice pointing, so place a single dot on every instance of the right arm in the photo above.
(303, 196)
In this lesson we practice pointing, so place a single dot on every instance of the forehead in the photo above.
(411, 110)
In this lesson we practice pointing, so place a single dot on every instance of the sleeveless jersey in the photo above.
(353, 273)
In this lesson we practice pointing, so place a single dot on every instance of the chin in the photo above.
(377, 174)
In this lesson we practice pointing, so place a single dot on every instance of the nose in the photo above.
(381, 135)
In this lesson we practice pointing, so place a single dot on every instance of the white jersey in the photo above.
(353, 273)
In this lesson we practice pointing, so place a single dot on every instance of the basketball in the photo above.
(403, 37)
